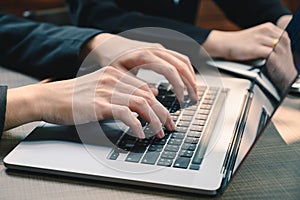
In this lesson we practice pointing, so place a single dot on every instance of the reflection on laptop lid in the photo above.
(171, 163)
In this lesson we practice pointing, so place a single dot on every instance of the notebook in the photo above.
(212, 138)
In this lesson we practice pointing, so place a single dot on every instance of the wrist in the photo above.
(215, 44)
(22, 106)
(93, 43)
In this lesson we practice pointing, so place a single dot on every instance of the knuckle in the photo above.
(139, 101)
(270, 25)
(109, 69)
(107, 80)
(125, 110)
(285, 37)
(144, 55)
(267, 27)
(169, 70)
(159, 45)
(145, 87)
(149, 97)
(185, 58)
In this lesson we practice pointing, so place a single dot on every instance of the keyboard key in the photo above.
(182, 162)
(114, 155)
(189, 112)
(191, 140)
(201, 88)
(174, 118)
(213, 90)
(177, 113)
(186, 153)
(198, 157)
(194, 167)
(134, 157)
(210, 97)
(204, 112)
(174, 141)
(183, 124)
(138, 149)
(190, 147)
(197, 128)
(148, 132)
(126, 144)
(156, 147)
(208, 102)
(129, 137)
(178, 135)
(125, 147)
(150, 158)
(173, 148)
(182, 129)
(199, 122)
(186, 118)
(144, 142)
(192, 107)
(168, 155)
(201, 117)
(165, 162)
(160, 141)
(195, 134)
(205, 107)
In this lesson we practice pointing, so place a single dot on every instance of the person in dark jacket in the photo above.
(263, 22)
(43, 50)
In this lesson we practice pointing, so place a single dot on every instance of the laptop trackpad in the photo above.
(104, 133)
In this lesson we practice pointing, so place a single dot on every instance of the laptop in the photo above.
(212, 137)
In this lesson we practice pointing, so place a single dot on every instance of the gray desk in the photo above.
(270, 172)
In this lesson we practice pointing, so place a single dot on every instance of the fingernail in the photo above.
(141, 135)
(161, 133)
(172, 125)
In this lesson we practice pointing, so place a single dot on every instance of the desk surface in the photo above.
(271, 170)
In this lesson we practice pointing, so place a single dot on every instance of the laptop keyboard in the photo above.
(180, 148)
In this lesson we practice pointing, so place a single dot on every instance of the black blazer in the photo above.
(121, 15)
(39, 49)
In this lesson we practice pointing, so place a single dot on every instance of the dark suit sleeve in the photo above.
(3, 90)
(247, 13)
(39, 49)
(106, 14)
